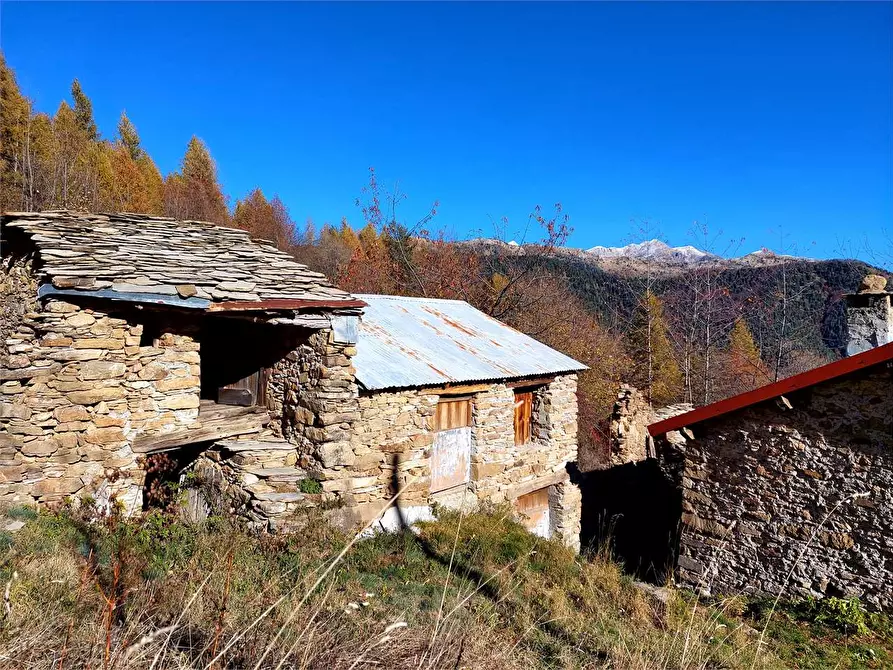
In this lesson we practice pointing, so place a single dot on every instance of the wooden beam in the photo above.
(459, 389)
(522, 383)
(209, 431)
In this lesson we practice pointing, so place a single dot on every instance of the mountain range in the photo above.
(652, 252)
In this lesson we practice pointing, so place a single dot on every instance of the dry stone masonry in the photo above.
(78, 385)
(770, 491)
(117, 336)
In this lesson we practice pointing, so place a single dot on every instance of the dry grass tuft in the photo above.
(475, 591)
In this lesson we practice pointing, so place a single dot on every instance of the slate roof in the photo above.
(157, 259)
(409, 342)
(845, 366)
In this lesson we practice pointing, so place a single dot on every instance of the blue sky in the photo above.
(763, 117)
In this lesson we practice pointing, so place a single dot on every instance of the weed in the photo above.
(309, 485)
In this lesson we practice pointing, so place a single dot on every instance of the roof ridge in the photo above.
(414, 298)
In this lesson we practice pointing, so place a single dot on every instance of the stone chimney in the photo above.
(869, 316)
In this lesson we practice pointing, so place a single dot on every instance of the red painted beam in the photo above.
(806, 379)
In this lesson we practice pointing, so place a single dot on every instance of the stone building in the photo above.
(789, 488)
(131, 344)
(468, 409)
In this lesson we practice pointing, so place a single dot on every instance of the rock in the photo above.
(18, 361)
(94, 396)
(185, 401)
(104, 436)
(41, 447)
(177, 384)
(335, 453)
(80, 320)
(98, 343)
(14, 411)
(14, 526)
(60, 486)
(186, 290)
(101, 370)
(873, 284)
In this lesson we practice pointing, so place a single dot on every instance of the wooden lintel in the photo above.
(522, 383)
(537, 484)
(458, 389)
(212, 428)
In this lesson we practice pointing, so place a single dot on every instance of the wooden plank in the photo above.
(208, 432)
(452, 413)
(462, 389)
(524, 383)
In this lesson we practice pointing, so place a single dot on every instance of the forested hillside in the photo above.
(697, 334)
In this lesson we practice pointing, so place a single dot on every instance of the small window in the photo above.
(523, 416)
(452, 413)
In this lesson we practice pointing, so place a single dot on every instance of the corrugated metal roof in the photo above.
(406, 342)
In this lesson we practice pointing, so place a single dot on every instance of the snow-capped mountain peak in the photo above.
(652, 250)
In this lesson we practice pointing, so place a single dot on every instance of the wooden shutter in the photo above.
(451, 453)
(523, 416)
(248, 391)
(452, 413)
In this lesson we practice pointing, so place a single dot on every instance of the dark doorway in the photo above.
(635, 509)
(237, 357)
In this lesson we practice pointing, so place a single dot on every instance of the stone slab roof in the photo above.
(409, 342)
(189, 262)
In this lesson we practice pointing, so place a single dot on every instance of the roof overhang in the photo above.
(804, 380)
(285, 305)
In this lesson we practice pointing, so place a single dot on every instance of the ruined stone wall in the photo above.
(312, 398)
(77, 386)
(759, 484)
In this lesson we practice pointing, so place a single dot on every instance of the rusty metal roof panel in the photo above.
(406, 342)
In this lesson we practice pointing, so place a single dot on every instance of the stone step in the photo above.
(284, 474)
(280, 497)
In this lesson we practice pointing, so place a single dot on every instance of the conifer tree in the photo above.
(71, 148)
(128, 137)
(268, 220)
(15, 115)
(746, 369)
(656, 368)
(83, 110)
(195, 193)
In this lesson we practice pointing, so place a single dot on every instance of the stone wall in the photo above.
(312, 399)
(78, 385)
(759, 485)
(394, 435)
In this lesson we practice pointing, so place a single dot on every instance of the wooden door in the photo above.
(523, 416)
(533, 509)
(248, 391)
(451, 453)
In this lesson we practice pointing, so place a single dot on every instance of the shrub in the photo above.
(844, 614)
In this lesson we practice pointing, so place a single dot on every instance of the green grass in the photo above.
(475, 591)
(829, 633)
